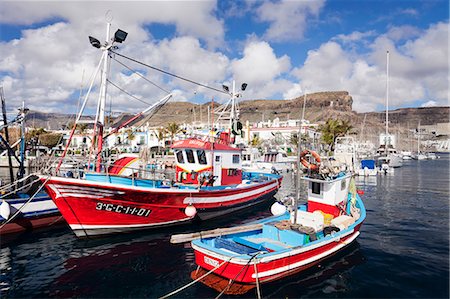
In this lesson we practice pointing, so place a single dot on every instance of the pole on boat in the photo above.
(5, 121)
(100, 123)
(386, 138)
(21, 172)
(297, 178)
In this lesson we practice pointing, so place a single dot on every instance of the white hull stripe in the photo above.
(306, 261)
(87, 193)
(64, 188)
(36, 206)
(106, 226)
(215, 199)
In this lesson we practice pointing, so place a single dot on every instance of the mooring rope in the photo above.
(234, 279)
(26, 203)
(196, 280)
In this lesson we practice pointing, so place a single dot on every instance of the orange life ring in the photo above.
(311, 166)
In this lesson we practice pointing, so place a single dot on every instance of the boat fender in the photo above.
(278, 209)
(330, 230)
(190, 211)
(5, 210)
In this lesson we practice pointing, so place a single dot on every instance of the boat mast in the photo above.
(5, 121)
(386, 138)
(100, 118)
(21, 173)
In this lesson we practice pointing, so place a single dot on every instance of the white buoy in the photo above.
(278, 209)
(5, 210)
(190, 211)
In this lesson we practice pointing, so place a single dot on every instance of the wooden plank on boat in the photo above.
(181, 238)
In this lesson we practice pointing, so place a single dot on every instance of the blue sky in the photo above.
(280, 48)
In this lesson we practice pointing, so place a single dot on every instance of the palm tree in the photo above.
(256, 141)
(173, 129)
(130, 134)
(332, 129)
(161, 134)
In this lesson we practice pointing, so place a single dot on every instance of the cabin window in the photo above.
(315, 187)
(201, 156)
(179, 155)
(343, 185)
(217, 158)
(235, 159)
(190, 156)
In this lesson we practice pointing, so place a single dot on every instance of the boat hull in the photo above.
(275, 267)
(96, 208)
(40, 212)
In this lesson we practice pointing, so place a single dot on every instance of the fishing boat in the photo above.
(284, 244)
(24, 205)
(208, 181)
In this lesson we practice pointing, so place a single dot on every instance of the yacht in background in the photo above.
(387, 154)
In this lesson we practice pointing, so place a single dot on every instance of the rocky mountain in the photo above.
(319, 107)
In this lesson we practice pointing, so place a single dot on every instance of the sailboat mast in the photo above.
(387, 101)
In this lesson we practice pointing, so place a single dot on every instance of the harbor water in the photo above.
(402, 252)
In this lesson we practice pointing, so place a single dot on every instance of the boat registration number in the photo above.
(101, 206)
(211, 262)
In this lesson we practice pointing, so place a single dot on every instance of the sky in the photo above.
(281, 49)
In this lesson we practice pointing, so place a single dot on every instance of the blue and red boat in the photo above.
(284, 244)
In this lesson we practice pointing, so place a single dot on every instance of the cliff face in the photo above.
(319, 107)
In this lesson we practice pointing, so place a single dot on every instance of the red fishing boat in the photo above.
(209, 181)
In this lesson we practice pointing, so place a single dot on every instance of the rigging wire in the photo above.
(170, 74)
(137, 73)
(126, 92)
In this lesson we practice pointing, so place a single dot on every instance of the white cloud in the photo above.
(259, 64)
(418, 69)
(194, 18)
(293, 92)
(429, 104)
(288, 19)
(355, 36)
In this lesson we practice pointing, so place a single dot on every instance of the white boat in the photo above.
(275, 160)
(406, 155)
(420, 156)
(432, 156)
(387, 152)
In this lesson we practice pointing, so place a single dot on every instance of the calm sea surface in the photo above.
(402, 252)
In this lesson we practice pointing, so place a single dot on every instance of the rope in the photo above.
(28, 201)
(170, 74)
(233, 280)
(258, 290)
(124, 91)
(137, 73)
(195, 281)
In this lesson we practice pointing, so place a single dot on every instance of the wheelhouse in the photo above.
(207, 163)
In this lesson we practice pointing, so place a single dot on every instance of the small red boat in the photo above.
(279, 246)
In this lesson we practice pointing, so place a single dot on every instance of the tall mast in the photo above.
(387, 100)
(102, 101)
(5, 121)
(103, 87)
(233, 105)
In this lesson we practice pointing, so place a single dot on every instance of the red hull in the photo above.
(92, 208)
(270, 268)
